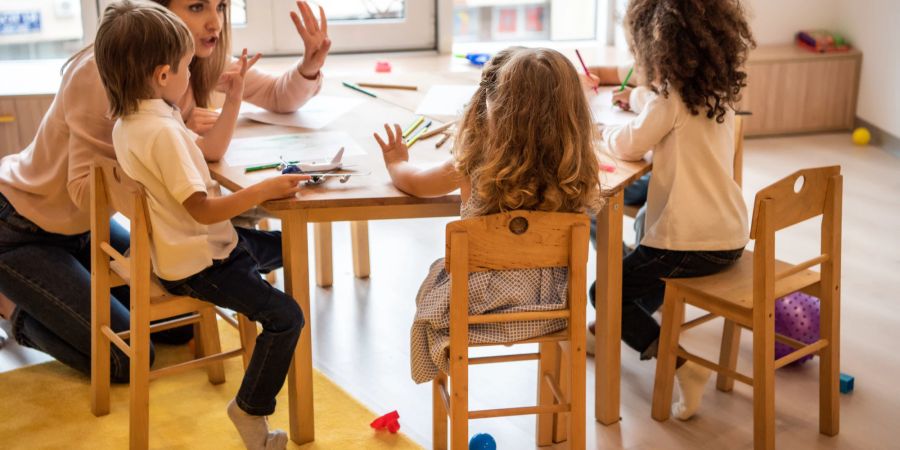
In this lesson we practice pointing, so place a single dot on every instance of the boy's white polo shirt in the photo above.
(155, 148)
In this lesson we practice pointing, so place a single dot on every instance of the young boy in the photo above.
(142, 52)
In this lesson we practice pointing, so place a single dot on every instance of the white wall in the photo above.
(776, 21)
(872, 26)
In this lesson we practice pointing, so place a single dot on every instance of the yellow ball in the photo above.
(861, 136)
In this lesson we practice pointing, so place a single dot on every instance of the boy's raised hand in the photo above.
(232, 80)
(282, 186)
(395, 149)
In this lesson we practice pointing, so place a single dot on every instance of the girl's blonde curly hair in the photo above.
(526, 140)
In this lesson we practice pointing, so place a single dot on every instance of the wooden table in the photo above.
(373, 197)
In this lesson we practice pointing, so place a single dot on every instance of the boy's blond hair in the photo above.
(533, 146)
(134, 38)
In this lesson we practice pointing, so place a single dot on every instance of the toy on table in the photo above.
(478, 59)
(821, 41)
(382, 67)
(317, 171)
(482, 441)
(389, 422)
(846, 383)
(861, 136)
(797, 317)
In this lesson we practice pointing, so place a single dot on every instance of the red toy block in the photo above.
(389, 421)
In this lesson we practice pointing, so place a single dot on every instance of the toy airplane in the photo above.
(318, 172)
(298, 167)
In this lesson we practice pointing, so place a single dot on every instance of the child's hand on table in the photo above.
(589, 82)
(622, 99)
(282, 186)
(395, 150)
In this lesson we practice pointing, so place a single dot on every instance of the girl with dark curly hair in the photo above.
(689, 58)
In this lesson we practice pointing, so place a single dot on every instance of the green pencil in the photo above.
(627, 77)
(266, 166)
(358, 89)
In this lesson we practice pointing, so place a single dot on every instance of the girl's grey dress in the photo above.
(504, 291)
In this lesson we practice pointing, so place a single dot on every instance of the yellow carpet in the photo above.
(47, 406)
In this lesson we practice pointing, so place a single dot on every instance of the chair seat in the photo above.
(734, 286)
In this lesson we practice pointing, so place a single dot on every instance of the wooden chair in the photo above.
(112, 191)
(632, 210)
(745, 296)
(518, 240)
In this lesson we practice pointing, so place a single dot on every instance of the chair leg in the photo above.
(763, 379)
(548, 366)
(209, 337)
(459, 405)
(100, 355)
(561, 425)
(438, 413)
(728, 354)
(139, 387)
(577, 390)
(359, 239)
(672, 316)
(829, 367)
(324, 264)
(248, 331)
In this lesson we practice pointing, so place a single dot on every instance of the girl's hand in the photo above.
(622, 99)
(232, 80)
(316, 42)
(202, 120)
(282, 186)
(589, 82)
(395, 150)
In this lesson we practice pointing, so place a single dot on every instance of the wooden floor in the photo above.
(361, 327)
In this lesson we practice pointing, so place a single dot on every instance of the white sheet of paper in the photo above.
(305, 147)
(605, 112)
(317, 113)
(446, 100)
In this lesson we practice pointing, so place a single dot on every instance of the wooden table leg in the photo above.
(324, 264)
(296, 283)
(359, 237)
(609, 310)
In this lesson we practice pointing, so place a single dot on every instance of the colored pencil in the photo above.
(388, 86)
(358, 89)
(584, 66)
(438, 130)
(412, 127)
(418, 135)
(627, 77)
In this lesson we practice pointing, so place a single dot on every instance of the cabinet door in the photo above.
(9, 127)
(30, 112)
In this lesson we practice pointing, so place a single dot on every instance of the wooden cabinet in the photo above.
(791, 90)
(20, 117)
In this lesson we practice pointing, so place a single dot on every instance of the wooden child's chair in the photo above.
(112, 191)
(745, 296)
(518, 240)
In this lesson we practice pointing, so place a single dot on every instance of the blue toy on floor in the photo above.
(846, 383)
(482, 441)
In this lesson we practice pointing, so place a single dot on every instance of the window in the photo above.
(39, 29)
(524, 20)
(354, 25)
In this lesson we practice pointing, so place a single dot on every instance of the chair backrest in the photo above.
(516, 240)
(739, 150)
(799, 196)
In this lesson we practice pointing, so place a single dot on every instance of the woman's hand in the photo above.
(316, 42)
(622, 99)
(232, 80)
(202, 120)
(395, 150)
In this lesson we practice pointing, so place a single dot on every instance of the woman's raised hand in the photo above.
(316, 42)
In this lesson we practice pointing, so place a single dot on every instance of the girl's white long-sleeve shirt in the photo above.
(693, 202)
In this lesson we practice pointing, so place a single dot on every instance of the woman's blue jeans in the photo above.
(48, 277)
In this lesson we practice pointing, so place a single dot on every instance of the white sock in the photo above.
(690, 382)
(276, 440)
(254, 430)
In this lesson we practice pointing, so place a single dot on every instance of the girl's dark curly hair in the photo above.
(697, 47)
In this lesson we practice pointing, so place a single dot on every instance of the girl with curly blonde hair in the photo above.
(524, 142)
(689, 57)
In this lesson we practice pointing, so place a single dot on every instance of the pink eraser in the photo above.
(382, 67)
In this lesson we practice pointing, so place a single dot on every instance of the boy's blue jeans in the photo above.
(48, 277)
(643, 288)
(235, 283)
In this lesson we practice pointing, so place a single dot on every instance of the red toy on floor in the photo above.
(389, 421)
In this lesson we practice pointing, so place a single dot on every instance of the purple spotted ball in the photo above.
(797, 317)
